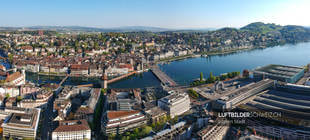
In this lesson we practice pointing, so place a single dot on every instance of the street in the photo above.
(47, 125)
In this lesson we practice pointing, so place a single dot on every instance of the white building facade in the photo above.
(175, 104)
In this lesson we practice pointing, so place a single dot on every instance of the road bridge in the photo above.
(163, 77)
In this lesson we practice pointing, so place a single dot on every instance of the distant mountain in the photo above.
(95, 29)
(257, 27)
(10, 28)
(89, 29)
(191, 30)
(67, 28)
(139, 28)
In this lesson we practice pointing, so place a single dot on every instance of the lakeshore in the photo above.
(183, 71)
(162, 62)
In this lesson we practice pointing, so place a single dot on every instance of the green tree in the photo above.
(168, 117)
(223, 76)
(111, 136)
(193, 93)
(96, 46)
(174, 120)
(201, 76)
(136, 130)
(76, 44)
(217, 78)
(103, 90)
(10, 56)
(125, 138)
(211, 78)
(27, 139)
(19, 98)
(153, 125)
(146, 130)
(7, 95)
(230, 75)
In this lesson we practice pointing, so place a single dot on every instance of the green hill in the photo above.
(260, 27)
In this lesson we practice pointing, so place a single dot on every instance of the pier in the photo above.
(163, 77)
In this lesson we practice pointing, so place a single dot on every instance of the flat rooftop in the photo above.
(291, 104)
(116, 94)
(22, 119)
(172, 98)
(72, 125)
(236, 93)
(27, 119)
(279, 70)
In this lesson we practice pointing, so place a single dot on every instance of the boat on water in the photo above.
(204, 55)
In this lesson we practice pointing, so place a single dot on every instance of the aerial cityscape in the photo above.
(155, 70)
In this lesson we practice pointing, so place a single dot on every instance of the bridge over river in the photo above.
(163, 77)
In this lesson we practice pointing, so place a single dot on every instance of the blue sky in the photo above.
(157, 13)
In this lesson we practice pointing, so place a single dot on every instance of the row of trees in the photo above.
(193, 93)
(136, 133)
(158, 125)
(145, 130)
(213, 78)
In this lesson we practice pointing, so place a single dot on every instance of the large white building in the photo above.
(72, 130)
(21, 123)
(175, 104)
(41, 99)
(216, 131)
(120, 121)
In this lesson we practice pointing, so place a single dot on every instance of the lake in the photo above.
(184, 71)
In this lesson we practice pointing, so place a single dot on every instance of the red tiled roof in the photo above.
(79, 67)
(85, 110)
(118, 114)
(2, 67)
(129, 66)
(2, 73)
(78, 126)
(26, 48)
(13, 76)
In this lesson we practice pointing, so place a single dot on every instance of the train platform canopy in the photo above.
(289, 74)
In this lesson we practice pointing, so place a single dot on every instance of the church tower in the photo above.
(105, 81)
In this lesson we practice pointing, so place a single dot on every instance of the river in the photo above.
(184, 71)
